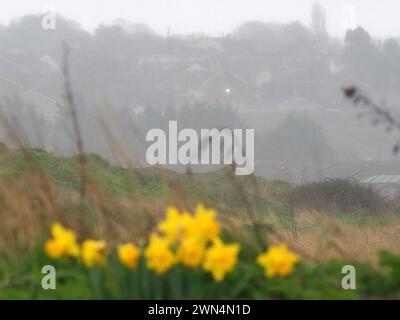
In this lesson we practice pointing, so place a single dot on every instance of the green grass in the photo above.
(322, 281)
(369, 220)
(218, 188)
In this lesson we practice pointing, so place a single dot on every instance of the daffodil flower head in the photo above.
(129, 255)
(62, 244)
(93, 253)
(159, 255)
(191, 252)
(277, 261)
(220, 259)
(176, 226)
(204, 223)
(54, 248)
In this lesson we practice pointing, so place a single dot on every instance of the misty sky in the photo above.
(213, 17)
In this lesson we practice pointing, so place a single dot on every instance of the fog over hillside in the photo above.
(215, 17)
(285, 80)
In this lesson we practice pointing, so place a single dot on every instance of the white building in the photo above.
(386, 184)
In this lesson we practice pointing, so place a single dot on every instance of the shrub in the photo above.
(338, 195)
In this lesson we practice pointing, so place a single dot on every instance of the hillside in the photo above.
(156, 184)
(38, 187)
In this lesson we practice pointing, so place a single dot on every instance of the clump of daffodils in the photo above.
(277, 261)
(191, 240)
(63, 244)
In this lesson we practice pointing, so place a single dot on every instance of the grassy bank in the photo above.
(120, 205)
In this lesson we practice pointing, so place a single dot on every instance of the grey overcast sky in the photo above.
(380, 17)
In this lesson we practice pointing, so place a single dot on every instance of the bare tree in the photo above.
(380, 115)
(318, 19)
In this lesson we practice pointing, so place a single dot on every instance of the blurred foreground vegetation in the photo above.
(21, 279)
(121, 205)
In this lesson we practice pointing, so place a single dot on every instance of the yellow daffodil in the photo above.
(159, 256)
(129, 255)
(54, 248)
(93, 253)
(277, 260)
(62, 244)
(220, 259)
(190, 252)
(204, 224)
(176, 225)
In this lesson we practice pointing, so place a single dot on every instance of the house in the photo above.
(297, 103)
(44, 107)
(360, 170)
(9, 87)
(227, 86)
(263, 78)
(195, 67)
(383, 176)
(275, 171)
(387, 185)
(50, 63)
(207, 43)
